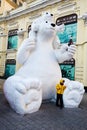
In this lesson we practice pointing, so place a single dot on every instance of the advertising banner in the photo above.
(68, 37)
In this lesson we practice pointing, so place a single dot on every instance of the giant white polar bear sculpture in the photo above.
(40, 72)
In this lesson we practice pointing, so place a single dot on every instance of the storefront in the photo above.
(71, 13)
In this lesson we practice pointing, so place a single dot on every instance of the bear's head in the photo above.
(44, 26)
(46, 16)
(46, 29)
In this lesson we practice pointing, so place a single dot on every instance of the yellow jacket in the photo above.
(60, 88)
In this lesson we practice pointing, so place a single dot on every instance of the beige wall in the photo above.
(5, 7)
(81, 60)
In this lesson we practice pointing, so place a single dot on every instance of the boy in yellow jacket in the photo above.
(60, 89)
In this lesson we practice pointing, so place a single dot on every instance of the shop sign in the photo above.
(12, 32)
(69, 19)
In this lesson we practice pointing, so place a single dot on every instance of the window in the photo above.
(12, 39)
(10, 67)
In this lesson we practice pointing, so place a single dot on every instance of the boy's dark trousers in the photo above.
(59, 98)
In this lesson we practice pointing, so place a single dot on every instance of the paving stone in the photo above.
(49, 117)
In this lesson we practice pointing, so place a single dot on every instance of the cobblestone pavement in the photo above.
(49, 117)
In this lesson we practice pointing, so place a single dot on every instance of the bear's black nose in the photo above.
(52, 24)
(51, 14)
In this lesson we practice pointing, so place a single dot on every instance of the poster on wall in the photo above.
(12, 39)
(68, 69)
(68, 37)
(10, 67)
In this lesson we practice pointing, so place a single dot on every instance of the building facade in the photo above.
(15, 25)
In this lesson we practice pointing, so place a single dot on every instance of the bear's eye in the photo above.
(46, 22)
(46, 12)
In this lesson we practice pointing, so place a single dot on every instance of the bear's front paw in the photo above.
(71, 50)
(73, 94)
(30, 44)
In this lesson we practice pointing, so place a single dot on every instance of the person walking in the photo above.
(60, 89)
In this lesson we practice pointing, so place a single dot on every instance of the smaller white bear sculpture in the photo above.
(40, 71)
(73, 94)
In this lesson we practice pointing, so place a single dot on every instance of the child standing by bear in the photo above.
(60, 89)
